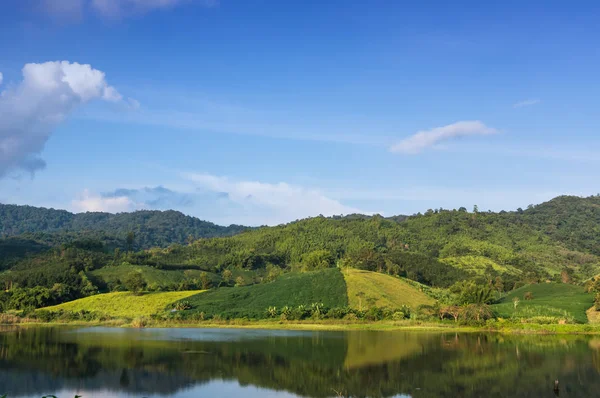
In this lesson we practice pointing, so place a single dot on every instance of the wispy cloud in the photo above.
(525, 103)
(220, 119)
(219, 199)
(75, 9)
(429, 138)
(31, 109)
(271, 203)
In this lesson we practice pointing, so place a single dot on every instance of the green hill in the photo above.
(294, 289)
(367, 289)
(559, 300)
(151, 228)
(551, 241)
(124, 304)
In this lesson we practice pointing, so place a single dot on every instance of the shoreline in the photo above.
(408, 326)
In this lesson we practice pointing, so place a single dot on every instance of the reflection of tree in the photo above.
(124, 379)
(374, 364)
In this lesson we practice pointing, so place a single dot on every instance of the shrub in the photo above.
(140, 322)
(182, 305)
(337, 313)
(528, 296)
(398, 316)
(351, 317)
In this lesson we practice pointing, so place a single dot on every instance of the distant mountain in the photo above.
(151, 228)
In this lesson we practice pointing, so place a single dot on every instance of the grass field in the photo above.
(124, 304)
(291, 290)
(549, 299)
(381, 290)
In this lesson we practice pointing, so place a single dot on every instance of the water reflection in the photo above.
(98, 362)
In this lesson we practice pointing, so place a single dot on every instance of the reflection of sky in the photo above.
(221, 389)
(197, 334)
(217, 388)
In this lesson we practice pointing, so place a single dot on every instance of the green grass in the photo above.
(124, 304)
(293, 289)
(152, 276)
(381, 290)
(558, 300)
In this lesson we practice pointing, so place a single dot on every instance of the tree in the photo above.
(477, 312)
(273, 272)
(205, 281)
(226, 275)
(360, 296)
(318, 259)
(516, 302)
(452, 310)
(565, 276)
(130, 239)
(470, 293)
(135, 283)
(499, 284)
(239, 281)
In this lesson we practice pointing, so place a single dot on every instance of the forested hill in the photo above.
(571, 220)
(151, 228)
(558, 241)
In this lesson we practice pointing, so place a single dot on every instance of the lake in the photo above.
(105, 362)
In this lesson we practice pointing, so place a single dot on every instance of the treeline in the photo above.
(152, 228)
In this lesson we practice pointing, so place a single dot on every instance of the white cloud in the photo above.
(428, 138)
(31, 109)
(1, 77)
(528, 102)
(89, 201)
(266, 203)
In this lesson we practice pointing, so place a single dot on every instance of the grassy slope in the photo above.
(386, 290)
(124, 304)
(549, 299)
(292, 289)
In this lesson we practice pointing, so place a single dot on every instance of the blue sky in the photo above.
(262, 112)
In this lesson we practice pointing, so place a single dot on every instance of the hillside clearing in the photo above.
(380, 290)
(125, 304)
(549, 300)
(293, 289)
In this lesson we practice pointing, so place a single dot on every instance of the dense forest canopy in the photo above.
(151, 228)
(557, 241)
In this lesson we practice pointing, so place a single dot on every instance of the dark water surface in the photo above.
(103, 362)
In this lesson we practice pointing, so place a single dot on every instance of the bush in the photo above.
(398, 316)
(337, 313)
(182, 305)
(351, 317)
(140, 322)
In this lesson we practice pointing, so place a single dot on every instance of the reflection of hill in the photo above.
(37, 383)
(374, 364)
(373, 348)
